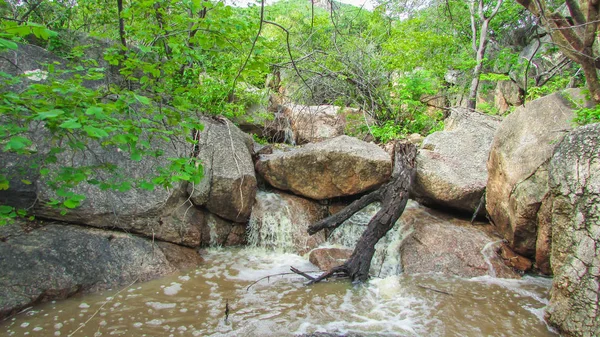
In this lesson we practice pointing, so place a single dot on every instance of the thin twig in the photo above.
(102, 306)
(260, 26)
(435, 290)
(301, 273)
(280, 274)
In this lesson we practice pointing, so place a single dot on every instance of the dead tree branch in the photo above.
(393, 196)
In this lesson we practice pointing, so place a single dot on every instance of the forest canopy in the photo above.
(139, 70)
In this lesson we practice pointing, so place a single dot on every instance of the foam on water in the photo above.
(159, 305)
(386, 261)
(173, 289)
(284, 306)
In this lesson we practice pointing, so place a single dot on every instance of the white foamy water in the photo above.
(172, 289)
(386, 261)
(271, 227)
(265, 299)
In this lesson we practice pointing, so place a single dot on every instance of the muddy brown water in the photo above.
(193, 303)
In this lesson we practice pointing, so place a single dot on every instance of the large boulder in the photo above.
(517, 187)
(451, 164)
(32, 64)
(422, 241)
(340, 166)
(574, 173)
(229, 183)
(451, 246)
(161, 213)
(56, 261)
(320, 122)
(280, 221)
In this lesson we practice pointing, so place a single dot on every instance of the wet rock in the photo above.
(327, 258)
(451, 247)
(179, 257)
(219, 232)
(574, 172)
(514, 260)
(451, 164)
(55, 261)
(229, 183)
(237, 236)
(336, 167)
(279, 221)
(517, 187)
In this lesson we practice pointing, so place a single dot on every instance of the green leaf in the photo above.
(49, 114)
(95, 132)
(94, 111)
(6, 44)
(124, 187)
(142, 99)
(26, 182)
(5, 209)
(72, 123)
(146, 185)
(70, 203)
(17, 143)
(136, 156)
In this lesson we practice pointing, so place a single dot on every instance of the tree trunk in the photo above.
(591, 77)
(393, 196)
(121, 23)
(574, 35)
(480, 50)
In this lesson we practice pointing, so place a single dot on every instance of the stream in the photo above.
(264, 299)
(193, 303)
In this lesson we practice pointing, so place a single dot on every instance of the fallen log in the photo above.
(393, 197)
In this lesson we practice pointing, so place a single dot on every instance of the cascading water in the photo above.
(386, 261)
(489, 251)
(263, 299)
(270, 224)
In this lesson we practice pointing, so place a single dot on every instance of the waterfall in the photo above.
(386, 261)
(270, 224)
(488, 251)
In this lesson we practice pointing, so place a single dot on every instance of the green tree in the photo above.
(574, 35)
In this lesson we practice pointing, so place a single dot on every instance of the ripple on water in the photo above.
(193, 304)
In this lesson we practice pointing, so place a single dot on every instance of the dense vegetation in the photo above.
(169, 61)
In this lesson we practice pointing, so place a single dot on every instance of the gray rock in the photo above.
(319, 122)
(451, 164)
(161, 213)
(32, 64)
(340, 166)
(517, 187)
(56, 261)
(440, 244)
(229, 182)
(218, 232)
(574, 173)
